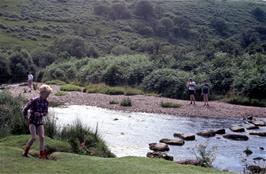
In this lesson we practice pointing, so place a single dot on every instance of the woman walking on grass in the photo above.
(38, 109)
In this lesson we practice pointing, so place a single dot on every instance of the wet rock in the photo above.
(237, 129)
(189, 162)
(187, 137)
(176, 141)
(220, 131)
(237, 137)
(261, 134)
(259, 159)
(252, 127)
(158, 146)
(160, 155)
(207, 133)
(248, 151)
(261, 148)
(256, 169)
(258, 123)
(116, 119)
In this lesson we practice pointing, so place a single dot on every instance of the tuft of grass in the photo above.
(112, 90)
(70, 87)
(170, 105)
(126, 102)
(113, 102)
(55, 82)
(240, 100)
(60, 93)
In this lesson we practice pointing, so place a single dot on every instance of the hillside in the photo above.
(153, 45)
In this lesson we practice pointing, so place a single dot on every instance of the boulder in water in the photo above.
(237, 137)
(187, 137)
(176, 141)
(261, 134)
(258, 123)
(237, 129)
(189, 162)
(220, 131)
(158, 146)
(251, 127)
(207, 133)
(160, 155)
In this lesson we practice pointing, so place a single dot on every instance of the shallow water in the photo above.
(132, 132)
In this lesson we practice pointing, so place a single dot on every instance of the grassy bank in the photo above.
(12, 162)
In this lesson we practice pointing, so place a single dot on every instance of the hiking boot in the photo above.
(43, 155)
(26, 151)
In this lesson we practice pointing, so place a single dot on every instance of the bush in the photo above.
(166, 82)
(240, 100)
(126, 102)
(60, 93)
(55, 82)
(4, 69)
(259, 14)
(144, 9)
(170, 105)
(205, 155)
(113, 102)
(84, 141)
(43, 58)
(11, 119)
(120, 50)
(70, 87)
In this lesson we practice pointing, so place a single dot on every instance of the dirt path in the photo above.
(150, 104)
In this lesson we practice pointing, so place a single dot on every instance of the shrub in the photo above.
(60, 93)
(259, 14)
(70, 87)
(50, 126)
(42, 58)
(170, 105)
(166, 82)
(119, 11)
(55, 82)
(84, 141)
(241, 100)
(113, 102)
(205, 155)
(4, 69)
(126, 102)
(120, 50)
(144, 9)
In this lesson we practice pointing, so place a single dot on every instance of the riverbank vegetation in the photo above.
(151, 45)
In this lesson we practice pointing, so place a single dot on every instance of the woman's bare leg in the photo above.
(40, 130)
(32, 129)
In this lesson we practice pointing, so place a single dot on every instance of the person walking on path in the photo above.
(38, 109)
(30, 80)
(205, 91)
(191, 85)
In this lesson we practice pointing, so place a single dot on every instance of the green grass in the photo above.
(70, 87)
(55, 82)
(12, 162)
(126, 102)
(60, 93)
(170, 105)
(112, 90)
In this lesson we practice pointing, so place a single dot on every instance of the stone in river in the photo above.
(258, 123)
(237, 137)
(251, 127)
(190, 162)
(187, 137)
(160, 155)
(176, 141)
(220, 131)
(261, 134)
(158, 146)
(207, 133)
(237, 129)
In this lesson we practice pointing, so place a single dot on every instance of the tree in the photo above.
(166, 82)
(4, 69)
(119, 11)
(72, 45)
(43, 58)
(220, 26)
(102, 10)
(144, 9)
(20, 63)
(259, 14)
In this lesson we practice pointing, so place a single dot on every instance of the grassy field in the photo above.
(11, 162)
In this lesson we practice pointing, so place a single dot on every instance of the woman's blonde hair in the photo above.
(45, 88)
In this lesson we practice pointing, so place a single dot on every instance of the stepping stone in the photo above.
(187, 137)
(237, 137)
(176, 141)
(207, 133)
(160, 155)
(159, 147)
(261, 134)
(237, 129)
(258, 123)
(220, 131)
(252, 127)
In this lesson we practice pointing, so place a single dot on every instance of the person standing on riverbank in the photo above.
(191, 85)
(205, 90)
(38, 109)
(30, 80)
